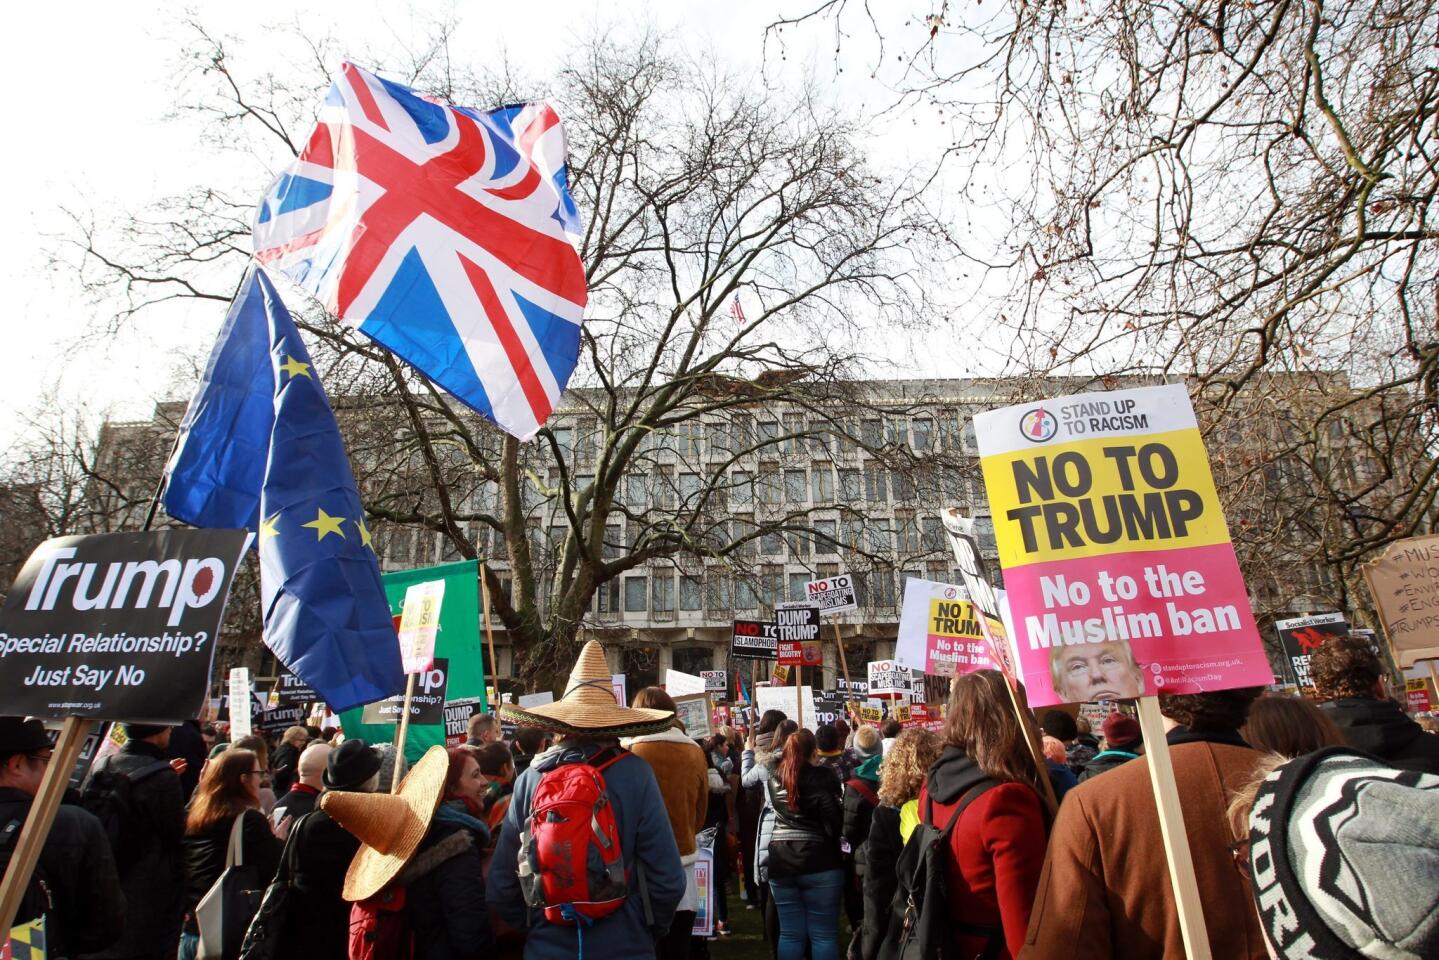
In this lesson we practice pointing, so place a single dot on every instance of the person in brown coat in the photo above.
(683, 776)
(1105, 891)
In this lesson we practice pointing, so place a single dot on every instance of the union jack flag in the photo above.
(445, 234)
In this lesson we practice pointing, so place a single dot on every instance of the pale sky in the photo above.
(90, 112)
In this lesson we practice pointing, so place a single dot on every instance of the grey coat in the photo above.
(755, 767)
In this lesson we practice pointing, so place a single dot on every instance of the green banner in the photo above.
(459, 641)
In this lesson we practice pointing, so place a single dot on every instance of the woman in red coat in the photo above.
(998, 841)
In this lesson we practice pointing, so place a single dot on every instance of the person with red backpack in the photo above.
(586, 858)
(858, 801)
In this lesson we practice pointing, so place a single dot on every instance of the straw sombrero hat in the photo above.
(589, 706)
(389, 826)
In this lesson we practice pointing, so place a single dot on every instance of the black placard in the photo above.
(754, 639)
(120, 626)
(427, 704)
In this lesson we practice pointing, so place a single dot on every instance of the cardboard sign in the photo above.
(1301, 636)
(754, 640)
(783, 700)
(716, 681)
(939, 632)
(427, 704)
(872, 715)
(890, 680)
(696, 712)
(832, 594)
(420, 624)
(1116, 556)
(679, 684)
(1404, 582)
(457, 719)
(120, 626)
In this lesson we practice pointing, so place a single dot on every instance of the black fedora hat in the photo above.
(350, 765)
(21, 735)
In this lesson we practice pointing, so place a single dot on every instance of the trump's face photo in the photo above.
(1085, 672)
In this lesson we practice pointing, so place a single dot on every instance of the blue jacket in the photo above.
(645, 839)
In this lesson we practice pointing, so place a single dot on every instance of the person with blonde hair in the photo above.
(900, 777)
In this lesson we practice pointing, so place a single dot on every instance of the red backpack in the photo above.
(571, 865)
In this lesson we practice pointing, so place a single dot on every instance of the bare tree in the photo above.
(1238, 194)
(696, 190)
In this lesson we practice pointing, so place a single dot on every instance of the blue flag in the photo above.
(259, 448)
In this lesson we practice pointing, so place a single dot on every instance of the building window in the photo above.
(849, 487)
(744, 595)
(717, 437)
(984, 533)
(771, 544)
(799, 544)
(933, 535)
(896, 430)
(907, 532)
(793, 429)
(690, 593)
(797, 583)
(635, 594)
(901, 486)
(717, 590)
(664, 593)
(923, 431)
(874, 482)
(690, 490)
(743, 487)
(794, 484)
(565, 440)
(818, 440)
(821, 481)
(870, 433)
(614, 541)
(825, 539)
(665, 488)
(609, 596)
(876, 536)
(768, 484)
(692, 660)
(771, 586)
(767, 432)
(635, 491)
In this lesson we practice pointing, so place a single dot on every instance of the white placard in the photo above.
(887, 678)
(832, 594)
(783, 699)
(678, 684)
(241, 703)
(419, 623)
(536, 699)
(716, 681)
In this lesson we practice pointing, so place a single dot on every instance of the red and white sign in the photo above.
(832, 594)
(420, 624)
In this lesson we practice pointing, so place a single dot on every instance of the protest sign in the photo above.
(1404, 582)
(457, 640)
(427, 701)
(457, 719)
(704, 923)
(696, 712)
(889, 680)
(832, 594)
(679, 684)
(716, 681)
(939, 631)
(419, 624)
(853, 688)
(1116, 557)
(117, 625)
(617, 683)
(828, 707)
(754, 639)
(783, 700)
(781, 674)
(528, 700)
(241, 707)
(281, 718)
(290, 690)
(1416, 695)
(872, 714)
(1301, 636)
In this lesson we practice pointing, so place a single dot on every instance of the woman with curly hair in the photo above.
(900, 777)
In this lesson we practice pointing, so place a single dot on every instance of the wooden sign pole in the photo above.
(1171, 830)
(401, 734)
(844, 665)
(31, 841)
(489, 637)
(798, 694)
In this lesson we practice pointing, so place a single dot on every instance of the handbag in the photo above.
(225, 911)
(263, 936)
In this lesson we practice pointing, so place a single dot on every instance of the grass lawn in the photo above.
(747, 940)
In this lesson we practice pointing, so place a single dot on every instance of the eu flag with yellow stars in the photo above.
(259, 448)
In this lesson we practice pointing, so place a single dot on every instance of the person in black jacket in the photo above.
(1348, 682)
(859, 800)
(228, 792)
(188, 742)
(317, 921)
(1123, 742)
(304, 793)
(87, 904)
(152, 868)
(806, 868)
(285, 762)
(441, 872)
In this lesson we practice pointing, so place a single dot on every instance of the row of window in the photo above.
(791, 433)
(819, 485)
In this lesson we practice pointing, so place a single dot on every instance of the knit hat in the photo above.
(589, 706)
(1120, 730)
(139, 731)
(390, 827)
(1339, 844)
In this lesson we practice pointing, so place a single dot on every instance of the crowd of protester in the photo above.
(863, 842)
